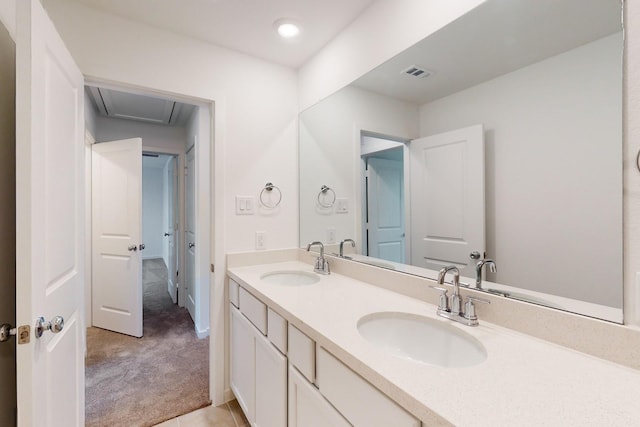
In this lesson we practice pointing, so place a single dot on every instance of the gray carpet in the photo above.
(143, 381)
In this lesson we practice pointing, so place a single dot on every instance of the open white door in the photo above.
(385, 209)
(49, 223)
(190, 234)
(447, 199)
(116, 236)
(172, 229)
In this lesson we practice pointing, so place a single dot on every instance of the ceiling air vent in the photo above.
(415, 71)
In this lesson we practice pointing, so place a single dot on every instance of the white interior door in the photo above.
(172, 229)
(190, 234)
(385, 209)
(447, 199)
(116, 236)
(49, 222)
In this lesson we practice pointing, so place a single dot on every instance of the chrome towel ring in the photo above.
(266, 193)
(324, 190)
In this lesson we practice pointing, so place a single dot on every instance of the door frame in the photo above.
(210, 158)
(180, 156)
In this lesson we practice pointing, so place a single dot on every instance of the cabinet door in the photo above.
(243, 362)
(271, 385)
(307, 407)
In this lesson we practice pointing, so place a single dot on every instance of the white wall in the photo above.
(152, 211)
(7, 222)
(362, 46)
(541, 147)
(153, 135)
(259, 99)
(330, 147)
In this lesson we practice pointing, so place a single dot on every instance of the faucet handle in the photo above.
(443, 304)
(470, 308)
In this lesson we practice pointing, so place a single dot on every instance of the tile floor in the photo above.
(225, 415)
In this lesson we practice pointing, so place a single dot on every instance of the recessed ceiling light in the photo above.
(286, 28)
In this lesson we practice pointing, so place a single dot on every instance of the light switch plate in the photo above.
(245, 205)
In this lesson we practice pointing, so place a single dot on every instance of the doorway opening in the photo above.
(383, 169)
(170, 355)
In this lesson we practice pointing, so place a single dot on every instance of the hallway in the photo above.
(143, 381)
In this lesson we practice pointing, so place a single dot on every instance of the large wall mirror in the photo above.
(497, 137)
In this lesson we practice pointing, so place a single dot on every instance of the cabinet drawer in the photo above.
(234, 289)
(361, 403)
(302, 353)
(277, 330)
(254, 310)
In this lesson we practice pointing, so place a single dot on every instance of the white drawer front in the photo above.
(361, 403)
(234, 290)
(302, 353)
(254, 310)
(277, 330)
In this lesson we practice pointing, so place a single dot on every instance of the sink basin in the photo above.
(290, 278)
(422, 339)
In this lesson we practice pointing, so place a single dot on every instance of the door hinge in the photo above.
(213, 268)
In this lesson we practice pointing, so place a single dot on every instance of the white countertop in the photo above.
(524, 381)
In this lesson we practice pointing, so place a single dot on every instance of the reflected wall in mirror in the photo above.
(509, 144)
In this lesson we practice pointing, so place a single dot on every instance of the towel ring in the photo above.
(268, 188)
(323, 191)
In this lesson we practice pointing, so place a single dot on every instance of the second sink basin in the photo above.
(290, 278)
(421, 339)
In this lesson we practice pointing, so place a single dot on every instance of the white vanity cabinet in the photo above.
(307, 407)
(258, 369)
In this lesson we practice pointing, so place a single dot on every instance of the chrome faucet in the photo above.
(322, 265)
(451, 308)
(492, 268)
(353, 245)
(455, 303)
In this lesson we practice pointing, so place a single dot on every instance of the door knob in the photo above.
(167, 234)
(474, 255)
(6, 332)
(132, 248)
(55, 325)
(142, 246)
(191, 245)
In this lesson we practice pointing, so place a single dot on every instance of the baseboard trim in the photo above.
(202, 333)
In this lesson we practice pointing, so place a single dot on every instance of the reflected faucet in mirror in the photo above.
(353, 245)
(492, 268)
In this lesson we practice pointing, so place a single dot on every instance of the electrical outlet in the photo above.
(331, 235)
(261, 240)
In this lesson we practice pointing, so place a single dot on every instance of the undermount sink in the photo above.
(422, 339)
(290, 278)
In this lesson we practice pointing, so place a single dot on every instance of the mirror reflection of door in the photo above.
(383, 198)
(385, 206)
(447, 199)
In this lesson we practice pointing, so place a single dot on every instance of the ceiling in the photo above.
(244, 25)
